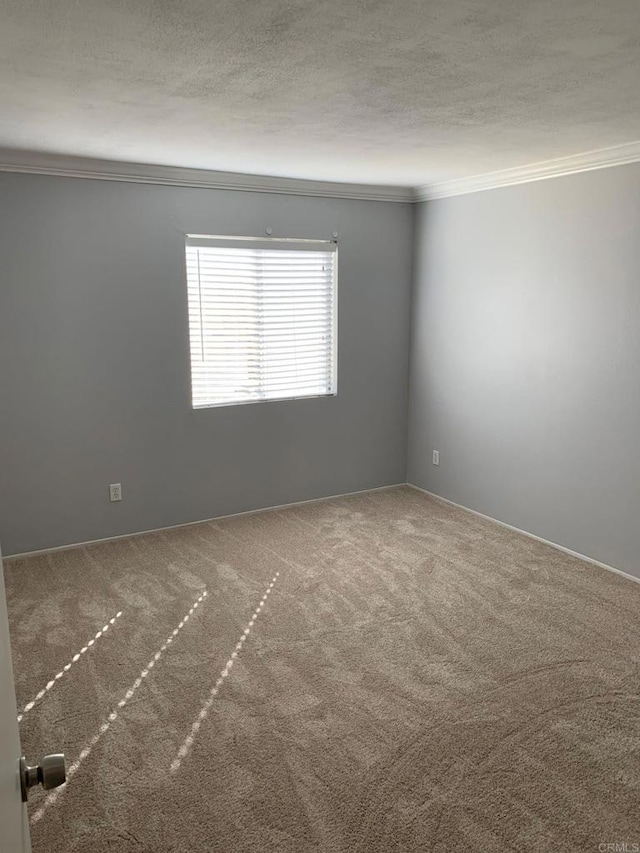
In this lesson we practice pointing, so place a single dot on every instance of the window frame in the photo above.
(239, 241)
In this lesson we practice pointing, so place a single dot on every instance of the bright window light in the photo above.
(262, 319)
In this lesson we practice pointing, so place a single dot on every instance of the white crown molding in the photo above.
(40, 163)
(61, 165)
(618, 155)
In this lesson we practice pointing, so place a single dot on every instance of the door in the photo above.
(13, 812)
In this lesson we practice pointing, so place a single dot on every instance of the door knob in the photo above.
(50, 773)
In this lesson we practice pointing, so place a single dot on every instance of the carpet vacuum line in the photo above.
(185, 748)
(113, 716)
(68, 666)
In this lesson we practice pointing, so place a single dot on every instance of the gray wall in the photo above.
(94, 378)
(525, 362)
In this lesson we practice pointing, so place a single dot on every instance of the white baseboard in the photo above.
(529, 535)
(273, 508)
(72, 545)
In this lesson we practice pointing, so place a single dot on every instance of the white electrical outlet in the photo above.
(436, 457)
(115, 492)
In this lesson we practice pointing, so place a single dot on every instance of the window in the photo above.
(262, 319)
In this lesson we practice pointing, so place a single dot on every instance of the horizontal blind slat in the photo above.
(260, 322)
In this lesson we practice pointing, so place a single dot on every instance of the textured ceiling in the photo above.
(377, 91)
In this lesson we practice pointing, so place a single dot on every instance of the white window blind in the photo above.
(262, 319)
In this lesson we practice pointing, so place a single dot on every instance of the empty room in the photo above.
(319, 424)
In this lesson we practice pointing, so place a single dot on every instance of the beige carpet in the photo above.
(415, 679)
